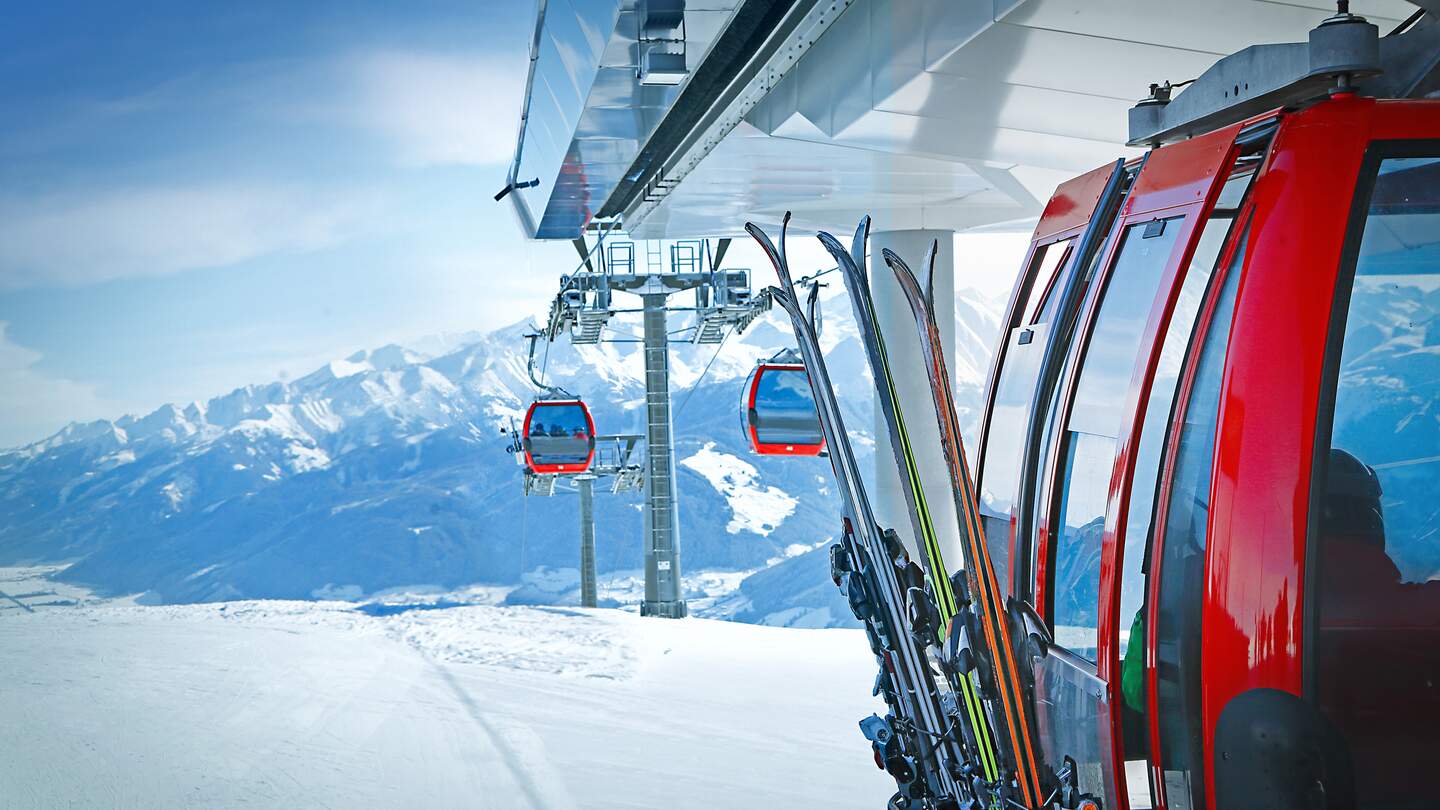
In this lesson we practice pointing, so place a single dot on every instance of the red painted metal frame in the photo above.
(773, 448)
(557, 468)
(1174, 182)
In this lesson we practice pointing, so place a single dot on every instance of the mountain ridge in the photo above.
(286, 489)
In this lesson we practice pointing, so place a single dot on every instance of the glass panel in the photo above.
(1111, 350)
(1045, 278)
(785, 407)
(1157, 418)
(1005, 443)
(1074, 720)
(1109, 363)
(559, 434)
(1182, 568)
(1236, 185)
(1081, 528)
(1010, 413)
(1378, 672)
(1045, 420)
(1134, 561)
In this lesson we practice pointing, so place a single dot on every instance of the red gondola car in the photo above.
(779, 411)
(1209, 461)
(558, 436)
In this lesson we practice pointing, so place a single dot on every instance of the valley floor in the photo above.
(423, 704)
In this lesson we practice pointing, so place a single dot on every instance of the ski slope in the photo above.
(423, 704)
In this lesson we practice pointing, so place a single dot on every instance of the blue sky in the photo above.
(196, 196)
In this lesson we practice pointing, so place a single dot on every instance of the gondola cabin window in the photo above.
(1181, 575)
(1011, 410)
(1376, 531)
(1094, 423)
(1176, 346)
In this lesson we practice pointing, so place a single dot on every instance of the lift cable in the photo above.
(524, 530)
(696, 386)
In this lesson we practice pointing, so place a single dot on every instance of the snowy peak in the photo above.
(413, 388)
(389, 467)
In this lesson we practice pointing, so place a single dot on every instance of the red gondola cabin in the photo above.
(779, 410)
(559, 436)
(1209, 461)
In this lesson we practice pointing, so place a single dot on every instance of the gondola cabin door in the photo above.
(559, 436)
(1119, 253)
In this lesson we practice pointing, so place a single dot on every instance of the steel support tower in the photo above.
(614, 463)
(722, 303)
(663, 596)
(585, 485)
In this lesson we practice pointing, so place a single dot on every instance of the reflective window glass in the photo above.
(1182, 564)
(785, 407)
(1009, 414)
(1134, 559)
(1378, 538)
(1045, 278)
(1109, 362)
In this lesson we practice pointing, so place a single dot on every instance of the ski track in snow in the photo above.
(418, 704)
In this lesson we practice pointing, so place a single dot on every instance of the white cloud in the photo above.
(441, 110)
(33, 405)
(76, 239)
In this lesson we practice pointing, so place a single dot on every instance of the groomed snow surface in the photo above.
(429, 703)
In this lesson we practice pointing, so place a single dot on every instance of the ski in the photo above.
(974, 714)
(992, 613)
(913, 744)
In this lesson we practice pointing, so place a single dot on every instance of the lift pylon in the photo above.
(615, 463)
(583, 309)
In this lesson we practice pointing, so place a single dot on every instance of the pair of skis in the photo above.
(995, 669)
(915, 743)
(984, 756)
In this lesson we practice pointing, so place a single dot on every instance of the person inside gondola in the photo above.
(537, 429)
(1379, 672)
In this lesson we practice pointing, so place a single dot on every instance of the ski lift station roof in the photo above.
(685, 118)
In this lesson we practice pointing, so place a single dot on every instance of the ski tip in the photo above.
(893, 259)
(928, 282)
(758, 234)
(837, 252)
(862, 238)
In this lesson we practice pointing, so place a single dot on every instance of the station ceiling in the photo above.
(923, 113)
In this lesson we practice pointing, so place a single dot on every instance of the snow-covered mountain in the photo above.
(388, 469)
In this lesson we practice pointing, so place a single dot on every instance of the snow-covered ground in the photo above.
(429, 702)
